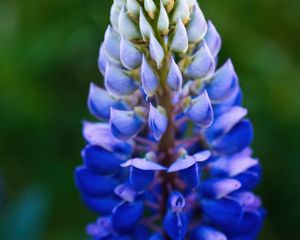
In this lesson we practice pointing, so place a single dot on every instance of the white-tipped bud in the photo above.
(145, 26)
(127, 26)
(181, 11)
(150, 8)
(163, 20)
(156, 50)
(169, 4)
(197, 27)
(114, 15)
(133, 7)
(180, 41)
(191, 3)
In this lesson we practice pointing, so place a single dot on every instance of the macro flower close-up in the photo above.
(169, 154)
(149, 120)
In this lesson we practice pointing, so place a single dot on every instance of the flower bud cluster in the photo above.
(169, 157)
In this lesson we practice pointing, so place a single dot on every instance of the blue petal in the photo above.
(174, 78)
(237, 139)
(158, 121)
(207, 233)
(93, 185)
(223, 212)
(223, 83)
(118, 83)
(100, 102)
(225, 122)
(177, 201)
(182, 163)
(149, 80)
(200, 111)
(213, 39)
(251, 178)
(248, 199)
(99, 134)
(126, 216)
(112, 45)
(156, 236)
(102, 60)
(103, 205)
(156, 50)
(180, 40)
(235, 99)
(197, 27)
(191, 176)
(202, 65)
(175, 225)
(232, 166)
(130, 56)
(140, 179)
(125, 124)
(126, 192)
(101, 229)
(219, 187)
(143, 164)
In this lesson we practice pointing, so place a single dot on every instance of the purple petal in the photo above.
(143, 164)
(180, 40)
(125, 192)
(182, 163)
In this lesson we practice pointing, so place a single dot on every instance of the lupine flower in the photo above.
(169, 156)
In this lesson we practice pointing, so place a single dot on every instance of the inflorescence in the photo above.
(170, 156)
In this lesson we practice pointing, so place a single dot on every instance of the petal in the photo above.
(149, 80)
(219, 187)
(112, 45)
(145, 26)
(182, 163)
(163, 19)
(180, 41)
(181, 11)
(237, 139)
(250, 178)
(202, 65)
(175, 225)
(156, 236)
(158, 121)
(99, 134)
(225, 122)
(126, 192)
(93, 185)
(177, 201)
(140, 179)
(143, 164)
(130, 56)
(207, 233)
(232, 166)
(103, 205)
(118, 83)
(174, 78)
(100, 102)
(150, 7)
(133, 7)
(213, 39)
(101, 229)
(191, 176)
(126, 216)
(102, 60)
(223, 212)
(156, 50)
(223, 83)
(202, 156)
(248, 199)
(197, 27)
(114, 14)
(127, 27)
(125, 124)
(200, 111)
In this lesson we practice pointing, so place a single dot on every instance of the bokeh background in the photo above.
(48, 53)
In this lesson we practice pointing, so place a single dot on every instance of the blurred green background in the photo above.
(48, 54)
